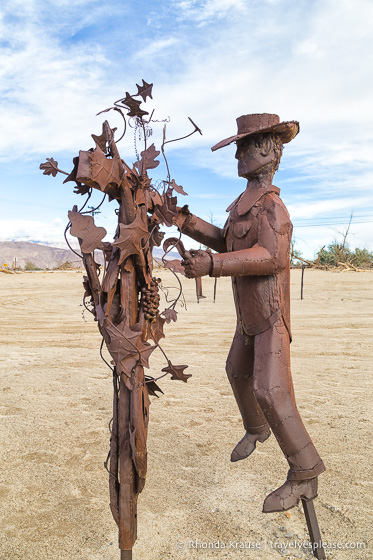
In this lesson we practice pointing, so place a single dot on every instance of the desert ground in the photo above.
(56, 401)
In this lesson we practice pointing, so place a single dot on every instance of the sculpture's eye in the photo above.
(265, 146)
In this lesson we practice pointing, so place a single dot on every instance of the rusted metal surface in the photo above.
(261, 123)
(124, 297)
(253, 248)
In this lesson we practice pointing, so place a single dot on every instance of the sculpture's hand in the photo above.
(182, 216)
(199, 264)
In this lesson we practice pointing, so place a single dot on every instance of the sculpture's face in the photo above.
(253, 153)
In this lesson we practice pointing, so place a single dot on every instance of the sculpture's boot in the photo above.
(289, 494)
(246, 446)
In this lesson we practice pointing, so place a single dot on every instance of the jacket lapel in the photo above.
(233, 203)
(248, 198)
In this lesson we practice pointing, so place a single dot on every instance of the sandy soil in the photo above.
(56, 405)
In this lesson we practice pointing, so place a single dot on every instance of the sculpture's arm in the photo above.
(199, 230)
(271, 253)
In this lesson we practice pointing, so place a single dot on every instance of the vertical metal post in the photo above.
(313, 529)
(126, 555)
(301, 282)
(215, 284)
(199, 289)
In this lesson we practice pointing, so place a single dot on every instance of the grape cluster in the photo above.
(150, 300)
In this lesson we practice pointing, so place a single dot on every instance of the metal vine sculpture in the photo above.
(125, 298)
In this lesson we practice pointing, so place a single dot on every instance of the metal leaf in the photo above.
(170, 314)
(133, 106)
(145, 90)
(177, 372)
(178, 188)
(153, 388)
(157, 328)
(174, 265)
(85, 229)
(129, 240)
(50, 167)
(105, 171)
(102, 140)
(148, 160)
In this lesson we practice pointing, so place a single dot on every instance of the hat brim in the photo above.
(286, 130)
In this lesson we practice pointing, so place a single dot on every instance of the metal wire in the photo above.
(87, 308)
(102, 357)
(89, 194)
(92, 209)
(177, 278)
(68, 244)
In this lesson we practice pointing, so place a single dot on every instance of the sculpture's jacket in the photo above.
(253, 248)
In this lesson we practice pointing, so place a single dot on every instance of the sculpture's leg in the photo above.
(239, 368)
(313, 529)
(273, 388)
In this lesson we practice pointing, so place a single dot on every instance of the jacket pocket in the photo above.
(240, 229)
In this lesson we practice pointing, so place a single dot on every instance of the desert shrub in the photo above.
(295, 254)
(339, 253)
(362, 258)
(296, 257)
(67, 265)
(31, 266)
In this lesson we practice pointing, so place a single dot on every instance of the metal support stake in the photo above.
(199, 289)
(301, 283)
(126, 555)
(313, 529)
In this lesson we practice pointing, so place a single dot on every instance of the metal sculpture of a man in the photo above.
(253, 248)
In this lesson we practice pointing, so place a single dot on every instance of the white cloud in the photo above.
(46, 85)
(308, 47)
(155, 47)
(259, 63)
(202, 11)
(320, 208)
(32, 230)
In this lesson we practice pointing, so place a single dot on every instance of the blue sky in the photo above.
(62, 61)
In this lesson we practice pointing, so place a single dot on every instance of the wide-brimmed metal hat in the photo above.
(258, 124)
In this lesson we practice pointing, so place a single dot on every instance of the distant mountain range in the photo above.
(18, 253)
